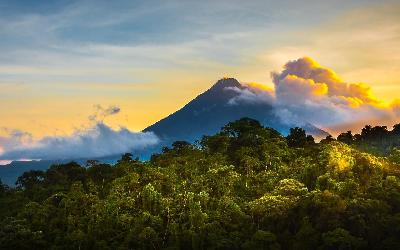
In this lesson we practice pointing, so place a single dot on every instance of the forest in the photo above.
(246, 187)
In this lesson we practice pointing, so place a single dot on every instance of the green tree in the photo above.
(297, 138)
(341, 239)
(346, 138)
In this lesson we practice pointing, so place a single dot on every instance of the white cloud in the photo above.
(251, 94)
(97, 140)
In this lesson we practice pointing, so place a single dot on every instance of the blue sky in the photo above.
(68, 26)
(159, 22)
(157, 55)
(61, 61)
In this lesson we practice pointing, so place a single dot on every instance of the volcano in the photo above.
(211, 110)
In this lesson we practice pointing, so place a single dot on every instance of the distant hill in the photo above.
(9, 173)
(209, 111)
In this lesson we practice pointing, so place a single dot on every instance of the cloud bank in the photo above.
(304, 91)
(96, 141)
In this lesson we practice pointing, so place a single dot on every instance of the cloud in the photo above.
(14, 139)
(251, 93)
(98, 140)
(305, 74)
(318, 95)
(101, 113)
(305, 91)
(296, 90)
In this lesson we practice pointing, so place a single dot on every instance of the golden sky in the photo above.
(50, 86)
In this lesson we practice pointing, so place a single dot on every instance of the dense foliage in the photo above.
(247, 187)
(377, 140)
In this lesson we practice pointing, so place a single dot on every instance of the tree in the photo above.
(346, 137)
(63, 175)
(307, 237)
(30, 179)
(126, 158)
(327, 139)
(297, 138)
(377, 133)
(341, 239)
(241, 127)
(215, 144)
(394, 156)
(243, 188)
(92, 163)
(396, 129)
(17, 234)
(181, 145)
(3, 189)
(262, 240)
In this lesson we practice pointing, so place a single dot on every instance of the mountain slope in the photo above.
(205, 115)
(211, 110)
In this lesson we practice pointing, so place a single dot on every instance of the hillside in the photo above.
(208, 112)
(246, 187)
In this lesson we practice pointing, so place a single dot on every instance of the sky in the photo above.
(63, 61)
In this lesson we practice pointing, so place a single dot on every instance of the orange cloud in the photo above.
(259, 86)
(396, 106)
(317, 94)
(363, 92)
(307, 69)
(296, 89)
(352, 102)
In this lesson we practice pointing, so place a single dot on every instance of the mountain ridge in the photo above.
(210, 110)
